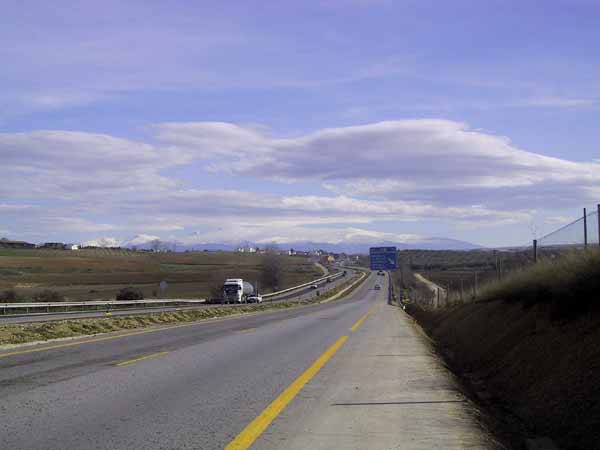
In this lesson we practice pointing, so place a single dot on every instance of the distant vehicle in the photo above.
(236, 290)
(380, 273)
(256, 298)
(314, 286)
(377, 287)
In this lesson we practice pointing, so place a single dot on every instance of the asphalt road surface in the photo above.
(203, 385)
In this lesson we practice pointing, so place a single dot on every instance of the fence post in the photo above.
(535, 250)
(585, 240)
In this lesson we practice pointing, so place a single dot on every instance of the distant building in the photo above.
(247, 249)
(327, 259)
(7, 243)
(74, 246)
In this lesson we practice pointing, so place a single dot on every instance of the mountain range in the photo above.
(148, 242)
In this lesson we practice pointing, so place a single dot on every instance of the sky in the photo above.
(264, 121)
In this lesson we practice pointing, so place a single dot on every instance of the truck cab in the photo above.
(233, 290)
(236, 290)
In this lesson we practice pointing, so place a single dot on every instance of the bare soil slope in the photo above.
(541, 376)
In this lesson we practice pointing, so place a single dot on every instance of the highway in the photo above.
(295, 295)
(346, 374)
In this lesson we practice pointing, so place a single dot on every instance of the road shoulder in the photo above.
(384, 389)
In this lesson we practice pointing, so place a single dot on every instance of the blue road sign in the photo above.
(383, 258)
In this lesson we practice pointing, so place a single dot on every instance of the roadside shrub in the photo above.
(9, 296)
(130, 293)
(48, 296)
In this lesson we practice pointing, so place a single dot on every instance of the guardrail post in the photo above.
(585, 239)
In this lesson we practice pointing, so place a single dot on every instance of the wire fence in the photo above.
(579, 234)
(464, 276)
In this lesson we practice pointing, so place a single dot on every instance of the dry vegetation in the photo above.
(99, 273)
(461, 273)
(529, 349)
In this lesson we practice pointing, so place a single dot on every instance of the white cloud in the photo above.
(555, 102)
(402, 171)
(70, 164)
(438, 161)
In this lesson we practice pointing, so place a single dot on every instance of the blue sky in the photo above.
(277, 121)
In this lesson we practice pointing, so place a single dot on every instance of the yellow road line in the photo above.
(360, 321)
(255, 428)
(131, 361)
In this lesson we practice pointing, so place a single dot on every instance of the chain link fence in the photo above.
(577, 235)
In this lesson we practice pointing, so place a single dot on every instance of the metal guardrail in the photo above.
(108, 303)
(47, 306)
(300, 286)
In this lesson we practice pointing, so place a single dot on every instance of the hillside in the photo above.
(529, 350)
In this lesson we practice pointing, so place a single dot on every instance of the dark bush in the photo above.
(9, 296)
(130, 293)
(48, 296)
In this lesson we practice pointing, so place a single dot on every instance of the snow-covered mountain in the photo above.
(102, 242)
(354, 248)
(140, 241)
(145, 241)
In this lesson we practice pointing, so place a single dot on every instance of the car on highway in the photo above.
(254, 298)
(377, 287)
(314, 286)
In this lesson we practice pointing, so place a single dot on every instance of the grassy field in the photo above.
(99, 273)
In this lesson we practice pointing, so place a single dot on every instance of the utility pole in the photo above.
(598, 217)
(585, 240)
(497, 264)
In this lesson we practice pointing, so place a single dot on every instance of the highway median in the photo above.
(16, 334)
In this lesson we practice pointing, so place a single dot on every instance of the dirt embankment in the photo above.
(540, 376)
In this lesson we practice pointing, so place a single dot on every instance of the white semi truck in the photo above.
(236, 290)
